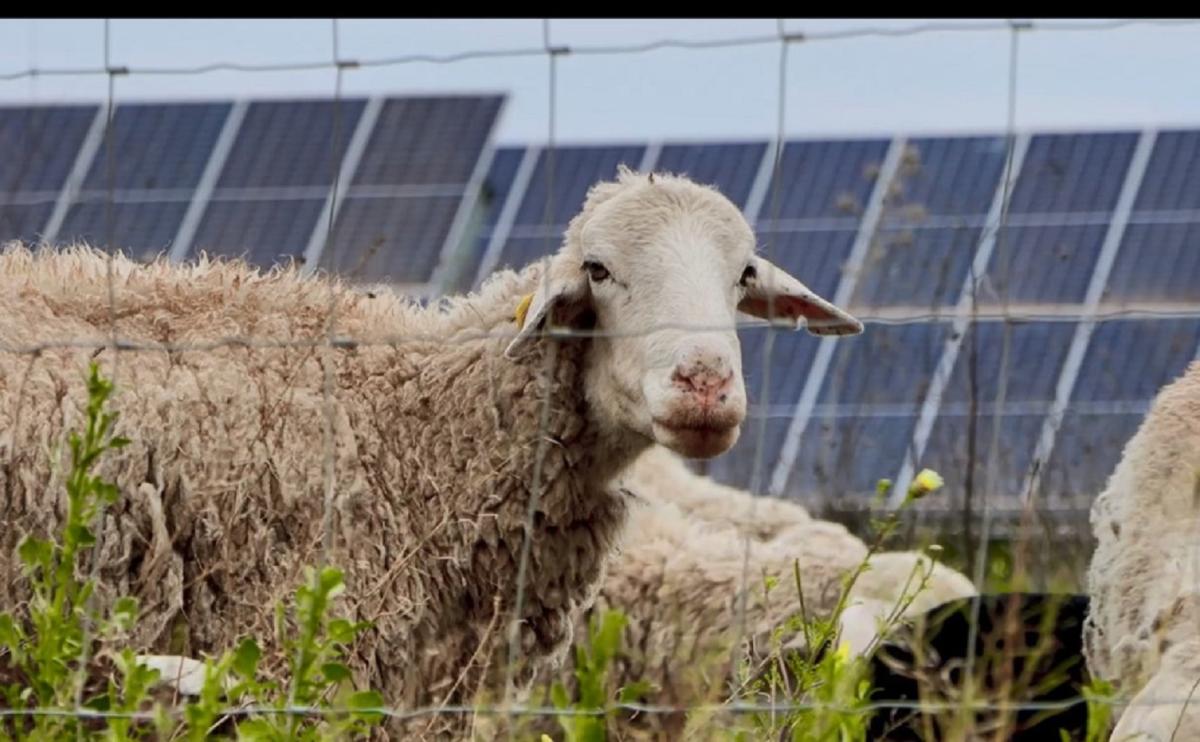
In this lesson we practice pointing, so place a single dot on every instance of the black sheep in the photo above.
(1039, 659)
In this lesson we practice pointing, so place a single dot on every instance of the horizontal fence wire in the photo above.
(597, 50)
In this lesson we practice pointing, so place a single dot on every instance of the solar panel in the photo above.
(290, 143)
(1051, 264)
(1157, 262)
(948, 176)
(493, 195)
(575, 170)
(38, 145)
(427, 140)
(868, 404)
(1127, 363)
(395, 216)
(1172, 180)
(962, 444)
(157, 146)
(263, 232)
(831, 179)
(842, 458)
(497, 183)
(23, 221)
(1088, 449)
(142, 229)
(1065, 173)
(916, 267)
(397, 238)
(1035, 357)
(886, 365)
(730, 167)
(1131, 359)
(962, 435)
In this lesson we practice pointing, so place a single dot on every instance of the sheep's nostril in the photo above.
(723, 398)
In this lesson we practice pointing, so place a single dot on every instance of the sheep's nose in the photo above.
(702, 382)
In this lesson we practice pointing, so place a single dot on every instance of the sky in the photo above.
(935, 82)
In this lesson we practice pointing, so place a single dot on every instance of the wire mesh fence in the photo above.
(993, 487)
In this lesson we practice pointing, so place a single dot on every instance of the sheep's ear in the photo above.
(772, 293)
(561, 296)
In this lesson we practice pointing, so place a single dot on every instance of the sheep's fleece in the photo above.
(1143, 632)
(679, 568)
(222, 494)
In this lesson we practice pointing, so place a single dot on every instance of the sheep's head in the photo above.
(658, 268)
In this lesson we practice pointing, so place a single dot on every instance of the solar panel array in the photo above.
(254, 179)
(1095, 270)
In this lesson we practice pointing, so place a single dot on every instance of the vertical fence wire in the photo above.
(992, 476)
(549, 366)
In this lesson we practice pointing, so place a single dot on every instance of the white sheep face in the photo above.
(658, 268)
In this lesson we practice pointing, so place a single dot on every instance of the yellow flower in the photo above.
(926, 481)
(522, 310)
(546, 738)
(841, 655)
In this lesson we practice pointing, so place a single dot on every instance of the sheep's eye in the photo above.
(596, 271)
(748, 275)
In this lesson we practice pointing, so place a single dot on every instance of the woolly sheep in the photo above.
(435, 422)
(1143, 632)
(679, 569)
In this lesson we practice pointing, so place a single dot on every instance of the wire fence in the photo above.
(972, 309)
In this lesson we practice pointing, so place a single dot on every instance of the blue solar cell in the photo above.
(736, 467)
(38, 145)
(841, 459)
(493, 194)
(887, 364)
(1172, 179)
(1133, 359)
(791, 356)
(916, 267)
(575, 170)
(1044, 264)
(1086, 451)
(1036, 351)
(825, 178)
(23, 222)
(519, 252)
(815, 257)
(263, 232)
(1157, 262)
(730, 167)
(427, 140)
(959, 445)
(290, 143)
(157, 146)
(496, 184)
(142, 229)
(955, 176)
(1072, 172)
(390, 239)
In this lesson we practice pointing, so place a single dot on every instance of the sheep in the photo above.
(446, 427)
(924, 661)
(1143, 631)
(679, 568)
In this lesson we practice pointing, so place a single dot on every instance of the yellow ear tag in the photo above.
(522, 310)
